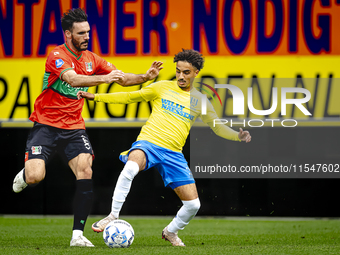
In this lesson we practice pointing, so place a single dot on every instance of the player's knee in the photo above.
(85, 173)
(34, 171)
(88, 173)
(139, 157)
(197, 204)
(192, 206)
(33, 177)
(130, 170)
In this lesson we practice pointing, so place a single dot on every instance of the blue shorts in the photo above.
(171, 165)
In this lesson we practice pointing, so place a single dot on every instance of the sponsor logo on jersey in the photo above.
(176, 109)
(72, 65)
(59, 62)
(56, 53)
(173, 91)
(88, 66)
(36, 150)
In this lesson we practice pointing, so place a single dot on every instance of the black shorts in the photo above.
(44, 140)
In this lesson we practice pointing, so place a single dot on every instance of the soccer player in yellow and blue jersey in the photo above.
(161, 139)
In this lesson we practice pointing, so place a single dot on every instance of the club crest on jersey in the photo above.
(36, 150)
(59, 62)
(88, 66)
(193, 102)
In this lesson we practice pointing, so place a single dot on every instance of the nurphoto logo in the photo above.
(239, 105)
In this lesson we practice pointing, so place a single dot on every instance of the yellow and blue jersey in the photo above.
(173, 113)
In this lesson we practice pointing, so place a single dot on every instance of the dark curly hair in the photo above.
(191, 56)
(72, 16)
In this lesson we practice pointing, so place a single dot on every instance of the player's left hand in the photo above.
(244, 136)
(153, 72)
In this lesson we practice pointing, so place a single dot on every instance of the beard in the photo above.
(80, 46)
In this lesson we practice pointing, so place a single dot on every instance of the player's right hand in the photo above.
(83, 94)
(244, 136)
(115, 75)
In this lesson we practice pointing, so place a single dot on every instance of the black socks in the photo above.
(82, 203)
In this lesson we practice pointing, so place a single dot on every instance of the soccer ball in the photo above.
(118, 234)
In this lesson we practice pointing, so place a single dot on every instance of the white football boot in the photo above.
(171, 237)
(81, 241)
(99, 226)
(19, 184)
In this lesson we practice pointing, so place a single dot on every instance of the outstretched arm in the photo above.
(147, 93)
(223, 130)
(124, 79)
(230, 134)
(130, 79)
(79, 80)
(113, 98)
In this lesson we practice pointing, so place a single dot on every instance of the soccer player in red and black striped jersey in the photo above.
(58, 123)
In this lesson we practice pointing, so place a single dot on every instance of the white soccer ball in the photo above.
(118, 234)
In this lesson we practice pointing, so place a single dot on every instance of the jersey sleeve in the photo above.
(102, 66)
(58, 63)
(119, 97)
(151, 91)
(145, 94)
(219, 129)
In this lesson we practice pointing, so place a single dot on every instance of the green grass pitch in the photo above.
(51, 235)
